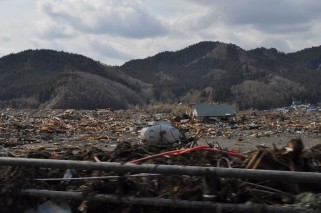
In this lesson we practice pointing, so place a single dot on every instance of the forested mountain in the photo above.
(205, 72)
(219, 72)
(51, 79)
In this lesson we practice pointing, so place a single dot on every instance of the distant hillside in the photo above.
(51, 79)
(205, 72)
(218, 72)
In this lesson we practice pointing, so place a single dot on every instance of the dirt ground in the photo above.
(251, 142)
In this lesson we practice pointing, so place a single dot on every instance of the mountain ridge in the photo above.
(35, 78)
(226, 72)
(208, 71)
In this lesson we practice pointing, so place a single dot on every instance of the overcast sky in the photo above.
(117, 31)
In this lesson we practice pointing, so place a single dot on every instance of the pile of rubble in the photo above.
(96, 161)
(106, 128)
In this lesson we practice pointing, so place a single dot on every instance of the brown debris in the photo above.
(113, 136)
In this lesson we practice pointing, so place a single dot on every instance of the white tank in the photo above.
(160, 135)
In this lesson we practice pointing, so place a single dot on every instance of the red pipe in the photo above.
(184, 151)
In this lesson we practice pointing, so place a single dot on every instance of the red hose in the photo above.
(184, 151)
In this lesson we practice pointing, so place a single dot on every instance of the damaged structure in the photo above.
(212, 112)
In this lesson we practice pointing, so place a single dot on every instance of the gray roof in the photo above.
(215, 110)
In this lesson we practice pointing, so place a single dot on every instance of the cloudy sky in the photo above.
(116, 31)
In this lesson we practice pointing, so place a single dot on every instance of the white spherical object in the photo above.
(160, 134)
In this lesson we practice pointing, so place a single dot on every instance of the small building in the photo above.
(212, 112)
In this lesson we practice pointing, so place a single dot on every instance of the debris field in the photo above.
(97, 161)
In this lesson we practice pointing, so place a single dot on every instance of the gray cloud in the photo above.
(283, 45)
(267, 15)
(121, 19)
(290, 25)
(116, 31)
(5, 39)
(109, 51)
(49, 30)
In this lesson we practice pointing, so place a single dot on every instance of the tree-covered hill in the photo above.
(219, 72)
(204, 72)
(51, 79)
